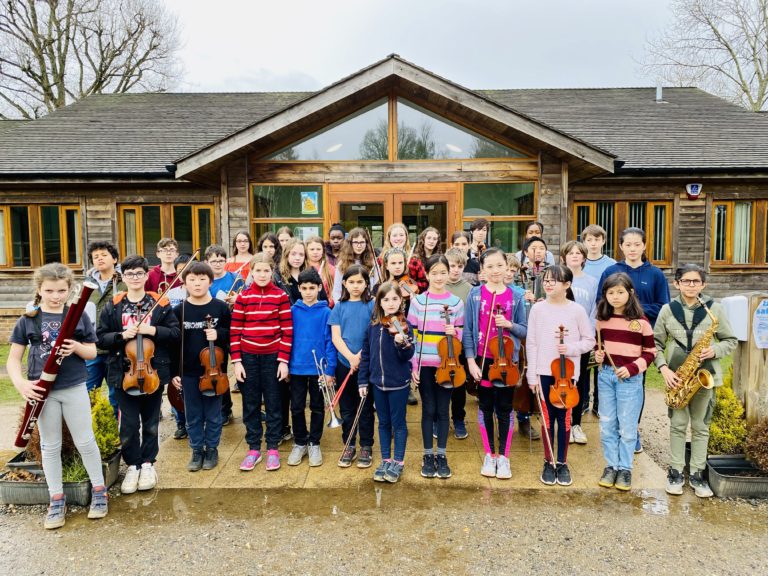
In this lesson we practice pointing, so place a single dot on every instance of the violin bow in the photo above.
(487, 334)
(376, 267)
(423, 324)
(178, 277)
(600, 345)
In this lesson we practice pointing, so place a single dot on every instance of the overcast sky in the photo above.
(260, 45)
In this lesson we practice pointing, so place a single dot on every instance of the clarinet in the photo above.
(51, 369)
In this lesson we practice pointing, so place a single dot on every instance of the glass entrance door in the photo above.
(420, 215)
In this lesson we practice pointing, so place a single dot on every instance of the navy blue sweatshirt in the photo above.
(384, 363)
(311, 332)
(650, 285)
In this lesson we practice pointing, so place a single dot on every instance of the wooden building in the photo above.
(392, 142)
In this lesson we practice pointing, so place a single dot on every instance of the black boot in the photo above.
(211, 458)
(196, 462)
(181, 432)
(412, 400)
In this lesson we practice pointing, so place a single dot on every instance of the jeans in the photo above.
(620, 403)
(300, 386)
(139, 420)
(203, 415)
(435, 401)
(97, 371)
(582, 384)
(551, 415)
(226, 403)
(390, 408)
(261, 383)
(699, 414)
(348, 405)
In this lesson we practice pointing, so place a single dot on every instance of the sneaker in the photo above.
(393, 473)
(380, 474)
(608, 479)
(131, 481)
(181, 432)
(226, 419)
(528, 431)
(251, 459)
(348, 457)
(434, 430)
(56, 516)
(315, 456)
(412, 401)
(460, 429)
(273, 460)
(700, 486)
(211, 459)
(196, 462)
(428, 468)
(297, 455)
(675, 482)
(570, 437)
(578, 435)
(99, 499)
(366, 457)
(638, 445)
(489, 466)
(563, 475)
(623, 480)
(548, 475)
(147, 476)
(286, 436)
(441, 463)
(503, 472)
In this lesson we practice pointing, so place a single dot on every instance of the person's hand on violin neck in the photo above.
(562, 348)
(130, 332)
(450, 330)
(210, 334)
(501, 321)
(176, 381)
(146, 329)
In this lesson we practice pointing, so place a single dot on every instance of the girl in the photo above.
(393, 269)
(355, 250)
(242, 248)
(650, 284)
(542, 347)
(536, 230)
(483, 321)
(336, 236)
(681, 324)
(68, 397)
(627, 341)
(269, 244)
(427, 245)
(390, 393)
(426, 318)
(584, 287)
(533, 265)
(349, 321)
(479, 242)
(292, 263)
(461, 240)
(261, 336)
(397, 237)
(284, 235)
(317, 258)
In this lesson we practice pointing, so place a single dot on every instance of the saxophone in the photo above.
(692, 378)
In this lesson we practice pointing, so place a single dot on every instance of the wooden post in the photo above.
(750, 369)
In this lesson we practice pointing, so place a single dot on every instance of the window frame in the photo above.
(35, 231)
(316, 220)
(758, 247)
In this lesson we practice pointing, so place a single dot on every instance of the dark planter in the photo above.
(728, 481)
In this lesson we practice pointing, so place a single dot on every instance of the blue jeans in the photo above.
(97, 371)
(390, 408)
(620, 404)
(261, 383)
(203, 414)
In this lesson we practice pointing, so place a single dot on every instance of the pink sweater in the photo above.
(541, 342)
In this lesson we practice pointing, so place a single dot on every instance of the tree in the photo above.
(54, 52)
(717, 45)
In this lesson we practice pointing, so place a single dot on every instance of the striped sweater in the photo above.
(262, 323)
(428, 333)
(629, 343)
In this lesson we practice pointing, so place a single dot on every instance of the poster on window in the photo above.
(760, 325)
(309, 205)
(306, 232)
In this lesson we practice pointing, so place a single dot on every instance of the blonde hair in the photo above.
(457, 255)
(261, 258)
(513, 261)
(387, 245)
(285, 268)
(50, 272)
(594, 230)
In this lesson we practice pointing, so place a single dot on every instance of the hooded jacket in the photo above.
(650, 285)
(311, 332)
(384, 363)
(98, 299)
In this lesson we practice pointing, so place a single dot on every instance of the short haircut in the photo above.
(513, 260)
(531, 240)
(215, 250)
(108, 246)
(309, 276)
(337, 227)
(568, 246)
(262, 258)
(199, 268)
(594, 230)
(135, 261)
(479, 224)
(166, 242)
(182, 259)
(685, 268)
(456, 255)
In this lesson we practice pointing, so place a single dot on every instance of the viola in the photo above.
(395, 324)
(450, 373)
(563, 393)
(176, 398)
(213, 382)
(141, 377)
(504, 371)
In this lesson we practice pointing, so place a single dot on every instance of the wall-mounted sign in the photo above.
(693, 191)
(309, 205)
(760, 325)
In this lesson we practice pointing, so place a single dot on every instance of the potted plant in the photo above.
(746, 475)
(24, 483)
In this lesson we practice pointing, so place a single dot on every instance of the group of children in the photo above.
(369, 326)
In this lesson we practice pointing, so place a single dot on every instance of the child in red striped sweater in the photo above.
(625, 348)
(260, 344)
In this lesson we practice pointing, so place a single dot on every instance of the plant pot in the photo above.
(725, 483)
(78, 493)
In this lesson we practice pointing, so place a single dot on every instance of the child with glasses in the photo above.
(161, 276)
(224, 283)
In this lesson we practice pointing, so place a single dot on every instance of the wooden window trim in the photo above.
(6, 238)
(527, 217)
(313, 219)
(166, 220)
(650, 231)
(757, 247)
(196, 208)
(35, 231)
(64, 237)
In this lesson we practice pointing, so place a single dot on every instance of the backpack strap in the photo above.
(698, 315)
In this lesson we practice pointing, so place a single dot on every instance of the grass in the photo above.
(654, 380)
(8, 393)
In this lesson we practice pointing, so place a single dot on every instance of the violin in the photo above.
(504, 371)
(394, 324)
(450, 373)
(176, 398)
(141, 378)
(563, 393)
(213, 382)
(408, 286)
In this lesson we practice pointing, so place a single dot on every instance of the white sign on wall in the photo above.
(760, 325)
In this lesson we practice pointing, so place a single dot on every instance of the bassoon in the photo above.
(51, 369)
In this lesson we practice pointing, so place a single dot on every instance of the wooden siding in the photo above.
(552, 195)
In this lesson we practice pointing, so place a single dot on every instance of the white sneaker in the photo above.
(315, 456)
(578, 435)
(297, 455)
(502, 468)
(489, 466)
(147, 476)
(131, 480)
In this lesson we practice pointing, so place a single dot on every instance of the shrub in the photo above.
(728, 429)
(756, 446)
(104, 424)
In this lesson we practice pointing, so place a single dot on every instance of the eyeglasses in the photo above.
(690, 282)
(218, 262)
(549, 281)
(359, 242)
(167, 250)
(134, 275)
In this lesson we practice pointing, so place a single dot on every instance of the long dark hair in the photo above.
(633, 230)
(434, 260)
(420, 251)
(354, 270)
(234, 243)
(272, 237)
(632, 311)
(347, 255)
(560, 273)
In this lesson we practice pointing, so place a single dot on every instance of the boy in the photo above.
(312, 343)
(202, 413)
(479, 230)
(458, 286)
(223, 281)
(536, 230)
(139, 414)
(161, 276)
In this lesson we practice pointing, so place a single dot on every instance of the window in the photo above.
(300, 207)
(735, 226)
(58, 238)
(507, 206)
(141, 227)
(655, 218)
